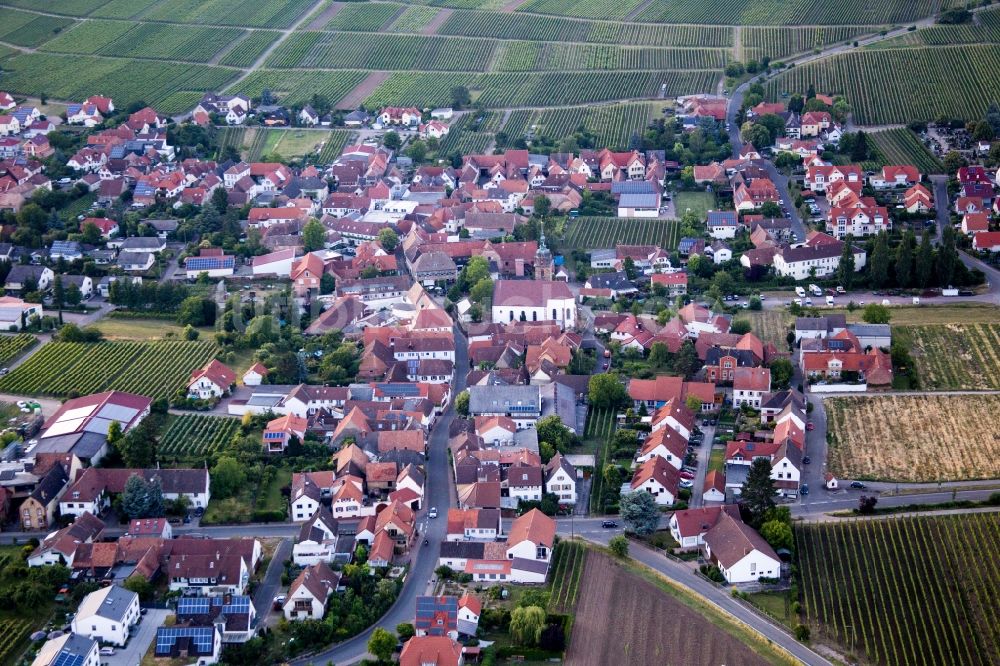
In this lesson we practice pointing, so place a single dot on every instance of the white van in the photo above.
(809, 302)
(816, 291)
(800, 292)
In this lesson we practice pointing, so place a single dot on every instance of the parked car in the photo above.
(806, 460)
(704, 423)
(609, 524)
(686, 484)
(858, 485)
(810, 425)
(279, 601)
(686, 475)
(107, 651)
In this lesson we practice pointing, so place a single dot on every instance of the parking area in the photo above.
(142, 638)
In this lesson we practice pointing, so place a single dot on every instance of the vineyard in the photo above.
(770, 325)
(246, 52)
(954, 356)
(531, 56)
(196, 436)
(144, 40)
(12, 346)
(12, 634)
(905, 590)
(902, 146)
(597, 434)
(126, 81)
(299, 87)
(248, 13)
(413, 19)
(591, 233)
(593, 9)
(363, 17)
(612, 124)
(505, 25)
(156, 369)
(777, 42)
(776, 12)
(25, 29)
(567, 565)
(900, 85)
(918, 438)
(344, 50)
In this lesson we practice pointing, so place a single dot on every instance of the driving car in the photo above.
(858, 485)
(804, 489)
(806, 460)
(433, 513)
(609, 524)
(810, 425)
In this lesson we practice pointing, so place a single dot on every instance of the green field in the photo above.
(155, 368)
(591, 233)
(772, 12)
(698, 203)
(895, 86)
(901, 146)
(196, 437)
(759, 42)
(904, 590)
(613, 125)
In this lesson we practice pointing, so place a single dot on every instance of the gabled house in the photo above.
(659, 478)
(740, 552)
(560, 479)
(213, 380)
(107, 615)
(309, 592)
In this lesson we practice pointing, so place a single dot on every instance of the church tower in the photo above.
(543, 260)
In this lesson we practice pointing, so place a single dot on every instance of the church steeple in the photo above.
(543, 259)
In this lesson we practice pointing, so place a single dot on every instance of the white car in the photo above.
(685, 483)
(107, 651)
(433, 513)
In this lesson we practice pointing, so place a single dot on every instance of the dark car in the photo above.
(704, 423)
(806, 460)
(858, 485)
(609, 524)
(804, 489)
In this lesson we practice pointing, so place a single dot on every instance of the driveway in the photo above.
(263, 598)
(138, 645)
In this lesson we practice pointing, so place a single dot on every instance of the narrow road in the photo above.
(269, 585)
(438, 493)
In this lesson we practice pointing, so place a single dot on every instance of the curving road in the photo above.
(437, 493)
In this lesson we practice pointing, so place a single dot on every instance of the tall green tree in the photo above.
(879, 264)
(904, 260)
(227, 477)
(382, 644)
(313, 236)
(845, 270)
(925, 262)
(640, 513)
(758, 491)
(606, 390)
(526, 624)
(686, 362)
(947, 257)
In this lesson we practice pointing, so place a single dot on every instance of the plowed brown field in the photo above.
(624, 619)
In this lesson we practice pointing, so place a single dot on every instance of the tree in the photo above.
(778, 534)
(875, 313)
(526, 624)
(947, 257)
(228, 477)
(382, 644)
(388, 239)
(770, 209)
(606, 391)
(740, 327)
(541, 206)
(313, 236)
(796, 103)
(845, 270)
(860, 152)
(141, 499)
(774, 124)
(735, 69)
(551, 429)
(405, 631)
(953, 161)
(138, 584)
(879, 269)
(327, 284)
(73, 295)
(866, 504)
(925, 262)
(460, 97)
(640, 513)
(659, 355)
(462, 403)
(755, 134)
(687, 363)
(392, 141)
(628, 265)
(758, 491)
(619, 546)
(58, 293)
(196, 311)
(904, 260)
(482, 290)
(417, 151)
(781, 373)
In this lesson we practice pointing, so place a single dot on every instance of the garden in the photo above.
(914, 438)
(905, 590)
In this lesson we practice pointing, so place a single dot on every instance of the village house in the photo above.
(309, 592)
(107, 615)
(213, 380)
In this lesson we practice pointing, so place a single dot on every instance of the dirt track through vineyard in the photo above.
(624, 619)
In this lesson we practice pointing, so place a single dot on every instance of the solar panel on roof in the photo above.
(239, 605)
(118, 413)
(201, 637)
(208, 263)
(399, 389)
(68, 659)
(193, 605)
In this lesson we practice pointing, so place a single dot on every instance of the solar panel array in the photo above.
(65, 658)
(208, 263)
(202, 638)
(238, 605)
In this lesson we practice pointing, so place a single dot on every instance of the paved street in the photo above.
(264, 596)
(142, 638)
